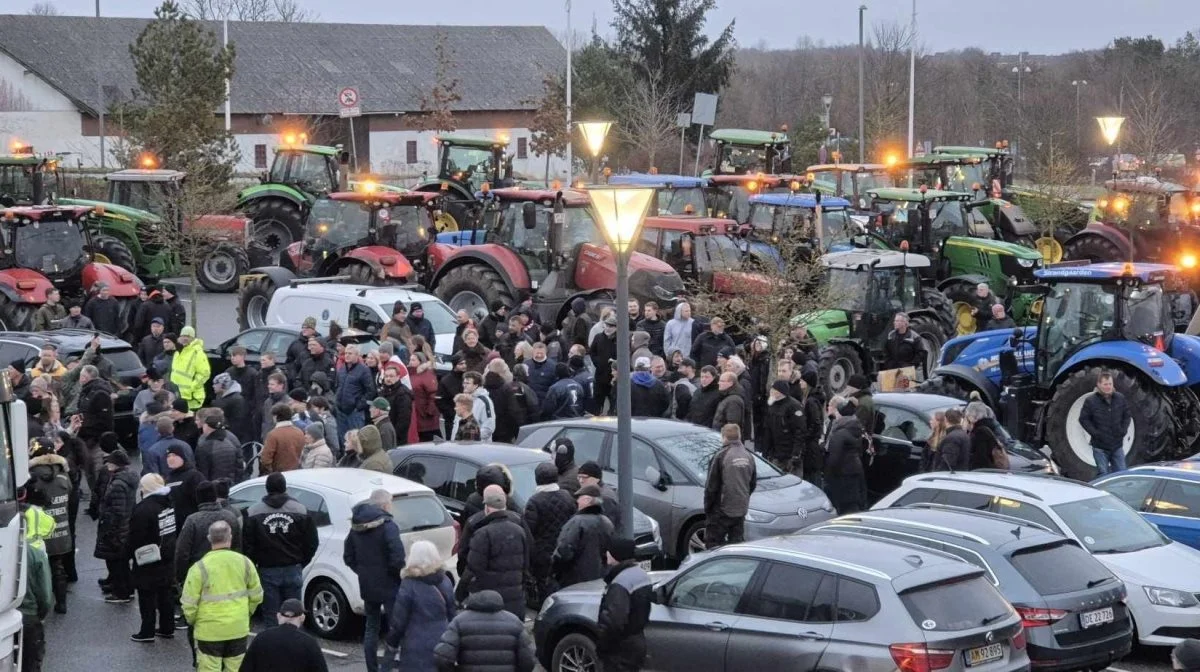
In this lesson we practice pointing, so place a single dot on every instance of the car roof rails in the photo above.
(296, 282)
(867, 519)
(977, 512)
(1035, 474)
(409, 287)
(952, 479)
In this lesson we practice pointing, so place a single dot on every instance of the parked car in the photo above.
(449, 468)
(804, 602)
(1162, 577)
(330, 591)
(1166, 494)
(1072, 607)
(903, 426)
(276, 340)
(670, 466)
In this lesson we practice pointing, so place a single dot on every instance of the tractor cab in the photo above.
(991, 167)
(925, 217)
(747, 152)
(677, 194)
(729, 195)
(27, 178)
(851, 181)
(544, 228)
(366, 225)
(1147, 202)
(470, 162)
(313, 169)
(794, 217)
(702, 251)
(147, 189)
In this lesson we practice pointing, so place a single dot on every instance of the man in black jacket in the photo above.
(281, 539)
(845, 483)
(653, 325)
(785, 430)
(218, 455)
(298, 350)
(547, 511)
(732, 477)
(709, 343)
(151, 345)
(578, 325)
(104, 311)
(315, 359)
(648, 396)
(954, 452)
(150, 309)
(182, 480)
(624, 610)
(484, 636)
(584, 541)
(496, 321)
(96, 408)
(178, 317)
(904, 347)
(286, 646)
(1106, 418)
(450, 386)
(604, 353)
(419, 325)
(565, 398)
(499, 553)
(229, 398)
(590, 473)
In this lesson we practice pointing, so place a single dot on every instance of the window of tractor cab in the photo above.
(337, 223)
(52, 247)
(310, 171)
(947, 219)
(1073, 315)
(406, 227)
(579, 228)
(877, 180)
(742, 160)
(16, 182)
(827, 179)
(148, 196)
(963, 177)
(890, 290)
(676, 201)
(717, 253)
(472, 165)
(1147, 318)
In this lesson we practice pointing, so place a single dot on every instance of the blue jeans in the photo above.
(374, 625)
(279, 584)
(1106, 462)
(349, 421)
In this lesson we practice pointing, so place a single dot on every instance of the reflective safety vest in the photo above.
(189, 372)
(219, 595)
(39, 525)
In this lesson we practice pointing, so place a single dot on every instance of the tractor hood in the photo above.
(998, 246)
(741, 282)
(113, 210)
(827, 324)
(650, 278)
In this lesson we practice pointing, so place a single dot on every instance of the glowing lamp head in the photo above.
(811, 177)
(1127, 269)
(594, 133)
(369, 187)
(1102, 203)
(794, 185)
(621, 211)
(555, 185)
(1120, 204)
(1196, 207)
(147, 161)
(689, 209)
(891, 160)
(1110, 128)
(752, 185)
(1188, 260)
(289, 138)
(303, 138)
(502, 138)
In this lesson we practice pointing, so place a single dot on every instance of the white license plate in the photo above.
(645, 565)
(983, 654)
(1089, 619)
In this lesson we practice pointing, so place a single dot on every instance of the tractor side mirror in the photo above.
(529, 215)
(263, 177)
(1018, 335)
(343, 158)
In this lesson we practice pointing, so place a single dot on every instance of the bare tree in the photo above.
(248, 10)
(647, 116)
(43, 9)
(886, 83)
(1152, 119)
(548, 131)
(1052, 197)
(437, 106)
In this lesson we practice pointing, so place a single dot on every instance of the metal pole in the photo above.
(624, 409)
(912, 79)
(861, 124)
(682, 138)
(228, 112)
(570, 148)
(353, 145)
(100, 98)
(699, 146)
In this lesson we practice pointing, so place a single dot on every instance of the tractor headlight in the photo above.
(1026, 263)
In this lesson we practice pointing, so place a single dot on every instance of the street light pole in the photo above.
(570, 148)
(861, 124)
(1020, 69)
(912, 78)
(1078, 84)
(100, 94)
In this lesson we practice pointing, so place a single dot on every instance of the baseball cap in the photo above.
(291, 608)
(158, 320)
(381, 403)
(188, 331)
(642, 364)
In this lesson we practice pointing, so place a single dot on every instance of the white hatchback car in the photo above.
(1162, 577)
(330, 588)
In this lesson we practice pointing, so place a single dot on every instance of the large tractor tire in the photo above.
(15, 316)
(472, 287)
(276, 224)
(222, 266)
(1094, 249)
(939, 303)
(837, 362)
(362, 274)
(1153, 420)
(109, 250)
(253, 301)
(933, 332)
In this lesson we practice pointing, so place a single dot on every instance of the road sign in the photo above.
(348, 97)
(683, 120)
(704, 109)
(350, 112)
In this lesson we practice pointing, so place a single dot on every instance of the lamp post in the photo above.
(1019, 70)
(1110, 128)
(1078, 84)
(594, 133)
(861, 125)
(621, 211)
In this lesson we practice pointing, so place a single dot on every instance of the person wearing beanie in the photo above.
(178, 314)
(785, 429)
(577, 326)
(154, 459)
(151, 345)
(590, 473)
(112, 529)
(299, 349)
(547, 511)
(280, 538)
(297, 400)
(624, 609)
(105, 312)
(397, 328)
(419, 326)
(152, 540)
(182, 479)
(582, 546)
(186, 428)
(732, 477)
(190, 369)
(1186, 656)
(379, 410)
(192, 542)
(565, 398)
(808, 393)
(845, 480)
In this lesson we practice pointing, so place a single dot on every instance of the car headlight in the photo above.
(656, 532)
(761, 517)
(1166, 597)
(1027, 263)
(546, 604)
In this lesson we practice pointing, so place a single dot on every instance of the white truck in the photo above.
(14, 472)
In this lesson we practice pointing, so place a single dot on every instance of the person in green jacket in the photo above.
(39, 595)
(220, 593)
(190, 369)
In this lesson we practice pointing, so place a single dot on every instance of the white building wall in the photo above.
(247, 144)
(389, 153)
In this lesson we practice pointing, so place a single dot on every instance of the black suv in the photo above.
(1072, 606)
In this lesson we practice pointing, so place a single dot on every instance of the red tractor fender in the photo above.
(221, 228)
(24, 285)
(121, 283)
(294, 259)
(1106, 231)
(742, 282)
(596, 268)
(385, 261)
(497, 257)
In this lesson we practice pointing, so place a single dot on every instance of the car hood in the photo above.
(784, 494)
(1172, 565)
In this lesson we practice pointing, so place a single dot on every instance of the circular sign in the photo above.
(928, 624)
(348, 97)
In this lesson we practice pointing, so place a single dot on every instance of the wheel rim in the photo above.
(273, 237)
(468, 301)
(577, 658)
(695, 542)
(1080, 442)
(101, 258)
(220, 267)
(326, 611)
(445, 222)
(256, 311)
(839, 374)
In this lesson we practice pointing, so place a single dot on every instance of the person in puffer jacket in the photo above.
(648, 396)
(192, 542)
(218, 454)
(541, 371)
(547, 511)
(374, 552)
(566, 397)
(485, 638)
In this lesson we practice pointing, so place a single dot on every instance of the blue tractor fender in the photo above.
(974, 379)
(1155, 365)
(1185, 350)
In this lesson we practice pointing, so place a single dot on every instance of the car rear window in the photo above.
(123, 360)
(957, 605)
(1061, 568)
(416, 513)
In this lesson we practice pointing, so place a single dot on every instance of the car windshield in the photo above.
(1147, 317)
(695, 451)
(52, 247)
(676, 201)
(472, 165)
(336, 224)
(1105, 524)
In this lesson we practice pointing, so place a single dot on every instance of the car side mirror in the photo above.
(529, 215)
(656, 477)
(662, 594)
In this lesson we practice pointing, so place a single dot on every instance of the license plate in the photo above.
(645, 565)
(1090, 619)
(983, 654)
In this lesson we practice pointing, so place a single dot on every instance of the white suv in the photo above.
(330, 590)
(1162, 577)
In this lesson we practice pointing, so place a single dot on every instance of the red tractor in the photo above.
(704, 253)
(545, 245)
(51, 246)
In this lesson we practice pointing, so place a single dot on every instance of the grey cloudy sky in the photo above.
(1038, 26)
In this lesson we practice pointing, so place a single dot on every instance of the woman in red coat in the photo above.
(426, 419)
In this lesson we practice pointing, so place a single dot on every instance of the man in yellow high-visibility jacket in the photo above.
(219, 595)
(190, 369)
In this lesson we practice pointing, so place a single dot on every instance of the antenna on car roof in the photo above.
(1016, 531)
(914, 560)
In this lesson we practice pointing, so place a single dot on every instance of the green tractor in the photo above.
(866, 288)
(947, 226)
(747, 152)
(300, 173)
(465, 165)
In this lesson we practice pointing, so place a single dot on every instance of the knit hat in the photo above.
(18, 364)
(168, 287)
(39, 447)
(118, 457)
(180, 405)
(591, 468)
(381, 403)
(110, 443)
(576, 363)
(809, 377)
(153, 374)
(179, 449)
(782, 387)
(641, 364)
(562, 370)
(621, 549)
(291, 608)
(276, 483)
(416, 305)
(309, 323)
(298, 394)
(545, 473)
(399, 307)
(206, 491)
(188, 331)
(578, 305)
(589, 491)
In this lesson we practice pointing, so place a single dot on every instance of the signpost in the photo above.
(684, 119)
(704, 112)
(348, 101)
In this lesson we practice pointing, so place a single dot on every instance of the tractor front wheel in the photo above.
(253, 301)
(472, 288)
(362, 274)
(940, 304)
(1094, 249)
(222, 266)
(837, 363)
(114, 252)
(277, 223)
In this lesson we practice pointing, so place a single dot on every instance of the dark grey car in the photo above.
(804, 602)
(1072, 607)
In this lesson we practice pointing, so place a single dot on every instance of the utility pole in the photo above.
(861, 123)
(570, 48)
(100, 92)
(912, 78)
(1078, 84)
(1020, 69)
(228, 112)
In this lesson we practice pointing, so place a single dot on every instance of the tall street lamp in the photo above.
(1110, 128)
(621, 211)
(1078, 84)
(1019, 70)
(862, 137)
(594, 133)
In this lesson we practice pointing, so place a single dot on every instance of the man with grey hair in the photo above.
(316, 453)
(95, 406)
(220, 593)
(355, 388)
(903, 347)
(374, 552)
(498, 556)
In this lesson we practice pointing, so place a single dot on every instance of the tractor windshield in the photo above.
(676, 201)
(1147, 318)
(963, 177)
(406, 228)
(52, 247)
(308, 170)
(472, 165)
(888, 291)
(742, 160)
(718, 253)
(875, 180)
(799, 223)
(16, 185)
(334, 225)
(1074, 315)
(147, 196)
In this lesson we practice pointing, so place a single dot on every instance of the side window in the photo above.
(823, 603)
(786, 593)
(827, 179)
(917, 496)
(855, 601)
(900, 423)
(672, 248)
(1011, 507)
(314, 503)
(717, 585)
(434, 472)
(462, 483)
(278, 343)
(246, 497)
(1178, 499)
(648, 243)
(589, 443)
(964, 500)
(643, 457)
(1134, 491)
(252, 340)
(365, 318)
(540, 438)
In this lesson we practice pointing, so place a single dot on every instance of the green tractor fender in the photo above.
(260, 192)
(826, 325)
(952, 286)
(455, 190)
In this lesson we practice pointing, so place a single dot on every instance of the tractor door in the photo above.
(1074, 315)
(313, 173)
(531, 245)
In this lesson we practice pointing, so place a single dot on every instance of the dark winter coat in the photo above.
(96, 407)
(655, 328)
(310, 364)
(105, 314)
(50, 488)
(731, 409)
(219, 456)
(177, 315)
(284, 647)
(448, 387)
(297, 352)
(400, 398)
(603, 353)
(704, 405)
(648, 397)
(575, 329)
(954, 452)
(582, 547)
(423, 609)
(845, 448)
(707, 345)
(355, 388)
(183, 482)
(901, 350)
(541, 376)
(1106, 420)
(732, 478)
(374, 552)
(624, 609)
(153, 522)
(237, 415)
(485, 638)
(150, 347)
(474, 357)
(510, 412)
(147, 311)
(498, 559)
(987, 442)
(565, 399)
(420, 326)
(278, 532)
(546, 512)
(116, 506)
(192, 541)
(785, 430)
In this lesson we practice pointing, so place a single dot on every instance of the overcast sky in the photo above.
(1037, 26)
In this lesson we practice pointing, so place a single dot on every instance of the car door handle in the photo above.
(810, 635)
(717, 626)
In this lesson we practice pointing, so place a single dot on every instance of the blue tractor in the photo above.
(776, 219)
(1112, 317)
(677, 194)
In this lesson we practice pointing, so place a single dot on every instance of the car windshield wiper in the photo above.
(1095, 582)
(992, 619)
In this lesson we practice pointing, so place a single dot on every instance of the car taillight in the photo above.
(1018, 640)
(920, 658)
(1033, 618)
